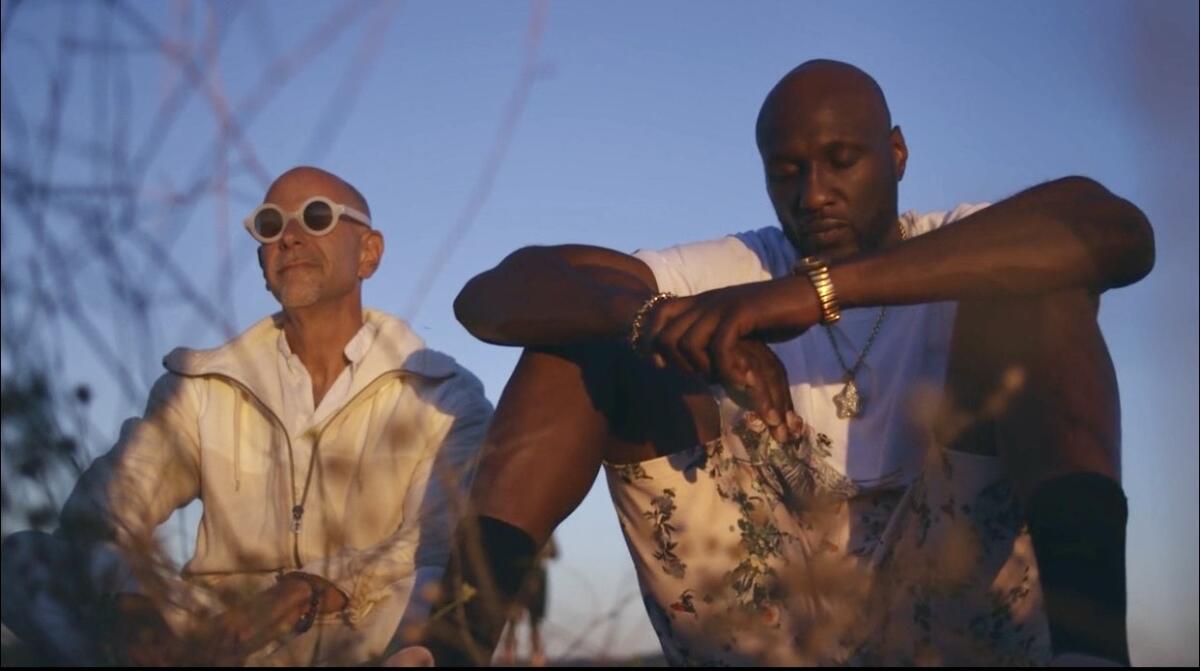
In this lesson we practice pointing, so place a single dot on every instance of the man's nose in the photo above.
(293, 233)
(816, 191)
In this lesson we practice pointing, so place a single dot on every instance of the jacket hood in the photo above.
(250, 358)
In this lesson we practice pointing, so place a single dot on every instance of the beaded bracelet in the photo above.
(639, 317)
(314, 602)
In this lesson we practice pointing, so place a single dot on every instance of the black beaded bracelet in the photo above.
(314, 602)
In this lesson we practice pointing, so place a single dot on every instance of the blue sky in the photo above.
(635, 130)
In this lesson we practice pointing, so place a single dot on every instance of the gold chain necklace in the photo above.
(849, 400)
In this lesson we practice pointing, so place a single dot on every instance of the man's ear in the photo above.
(370, 254)
(899, 152)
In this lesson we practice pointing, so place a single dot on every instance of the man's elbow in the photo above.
(1131, 241)
(1140, 247)
(474, 306)
(468, 307)
(1127, 239)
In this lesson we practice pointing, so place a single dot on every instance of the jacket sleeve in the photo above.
(153, 469)
(420, 547)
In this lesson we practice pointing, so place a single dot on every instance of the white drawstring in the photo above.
(237, 440)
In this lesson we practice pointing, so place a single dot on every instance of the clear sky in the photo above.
(476, 128)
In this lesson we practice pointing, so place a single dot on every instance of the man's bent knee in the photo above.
(1037, 373)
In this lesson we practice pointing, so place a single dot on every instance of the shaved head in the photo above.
(320, 183)
(304, 268)
(825, 83)
(832, 159)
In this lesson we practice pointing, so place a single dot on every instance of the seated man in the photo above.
(825, 502)
(328, 446)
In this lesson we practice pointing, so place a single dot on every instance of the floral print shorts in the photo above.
(751, 551)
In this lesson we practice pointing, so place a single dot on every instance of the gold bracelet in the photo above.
(639, 317)
(818, 273)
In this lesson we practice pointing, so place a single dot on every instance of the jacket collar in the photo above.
(250, 359)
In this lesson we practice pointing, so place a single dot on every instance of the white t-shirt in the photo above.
(901, 376)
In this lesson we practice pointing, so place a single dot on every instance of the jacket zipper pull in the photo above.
(297, 513)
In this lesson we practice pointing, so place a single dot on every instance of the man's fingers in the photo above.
(760, 400)
(776, 378)
(657, 321)
(726, 349)
(745, 386)
(770, 405)
(769, 396)
(727, 360)
(694, 346)
(667, 341)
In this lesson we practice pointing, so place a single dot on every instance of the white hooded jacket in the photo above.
(391, 465)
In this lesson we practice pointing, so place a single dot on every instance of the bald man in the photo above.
(327, 445)
(858, 437)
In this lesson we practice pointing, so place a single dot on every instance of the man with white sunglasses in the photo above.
(328, 447)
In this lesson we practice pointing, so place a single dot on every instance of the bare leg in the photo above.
(542, 453)
(1057, 431)
(546, 442)
(562, 413)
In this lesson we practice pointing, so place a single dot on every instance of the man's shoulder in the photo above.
(247, 346)
(736, 258)
(403, 349)
(398, 347)
(765, 238)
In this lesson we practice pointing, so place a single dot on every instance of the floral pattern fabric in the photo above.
(751, 551)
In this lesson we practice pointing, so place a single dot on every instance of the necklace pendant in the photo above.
(297, 513)
(848, 401)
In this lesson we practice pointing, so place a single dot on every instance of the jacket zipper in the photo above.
(370, 387)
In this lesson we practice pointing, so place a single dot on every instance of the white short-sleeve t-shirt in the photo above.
(902, 374)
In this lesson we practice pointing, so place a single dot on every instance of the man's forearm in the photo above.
(1067, 234)
(541, 297)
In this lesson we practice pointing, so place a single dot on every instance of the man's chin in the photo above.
(834, 245)
(838, 253)
(830, 253)
(296, 297)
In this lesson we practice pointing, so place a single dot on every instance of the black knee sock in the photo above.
(488, 563)
(1077, 523)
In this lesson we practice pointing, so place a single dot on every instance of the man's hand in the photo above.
(270, 615)
(753, 377)
(721, 335)
(698, 334)
(140, 635)
(758, 382)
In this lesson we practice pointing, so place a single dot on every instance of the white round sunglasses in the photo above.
(318, 215)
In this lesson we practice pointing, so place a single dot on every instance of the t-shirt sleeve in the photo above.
(694, 268)
(920, 224)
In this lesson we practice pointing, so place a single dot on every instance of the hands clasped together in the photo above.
(722, 336)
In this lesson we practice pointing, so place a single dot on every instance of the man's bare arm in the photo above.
(1071, 233)
(543, 450)
(551, 296)
(1067, 234)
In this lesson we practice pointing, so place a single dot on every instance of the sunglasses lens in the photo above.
(268, 223)
(318, 216)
